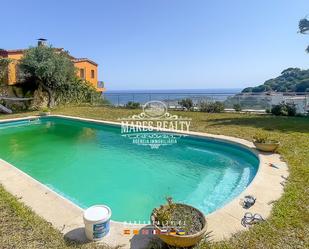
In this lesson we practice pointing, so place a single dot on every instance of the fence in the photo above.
(246, 101)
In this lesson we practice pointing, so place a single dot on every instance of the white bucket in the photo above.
(96, 219)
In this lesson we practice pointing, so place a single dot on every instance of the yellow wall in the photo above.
(13, 67)
(87, 66)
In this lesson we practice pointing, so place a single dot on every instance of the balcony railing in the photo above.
(247, 101)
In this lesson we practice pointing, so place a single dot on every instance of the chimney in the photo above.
(42, 42)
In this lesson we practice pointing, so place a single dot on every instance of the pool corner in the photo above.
(267, 186)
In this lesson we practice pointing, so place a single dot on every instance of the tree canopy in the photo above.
(54, 72)
(290, 80)
(304, 28)
(46, 68)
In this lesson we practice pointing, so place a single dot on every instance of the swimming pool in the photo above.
(91, 163)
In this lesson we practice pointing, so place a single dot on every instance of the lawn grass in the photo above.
(22, 228)
(288, 226)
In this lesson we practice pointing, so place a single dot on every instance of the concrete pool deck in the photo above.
(267, 187)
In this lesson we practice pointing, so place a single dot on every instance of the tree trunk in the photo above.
(51, 101)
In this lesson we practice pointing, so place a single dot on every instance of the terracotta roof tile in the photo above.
(7, 51)
(84, 59)
(23, 50)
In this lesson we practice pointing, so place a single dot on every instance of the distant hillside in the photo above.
(290, 80)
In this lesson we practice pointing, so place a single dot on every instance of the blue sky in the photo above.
(167, 44)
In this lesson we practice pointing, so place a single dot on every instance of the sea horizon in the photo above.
(180, 90)
(170, 96)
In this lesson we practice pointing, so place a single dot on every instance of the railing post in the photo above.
(168, 101)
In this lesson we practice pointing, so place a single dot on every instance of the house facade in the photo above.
(86, 68)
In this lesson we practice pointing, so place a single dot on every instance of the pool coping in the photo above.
(267, 186)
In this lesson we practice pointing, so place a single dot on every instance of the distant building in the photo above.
(301, 102)
(86, 68)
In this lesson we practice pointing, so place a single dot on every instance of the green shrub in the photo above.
(291, 109)
(133, 105)
(277, 110)
(106, 102)
(186, 103)
(212, 107)
(284, 109)
(78, 92)
(52, 71)
(45, 109)
(16, 106)
(237, 107)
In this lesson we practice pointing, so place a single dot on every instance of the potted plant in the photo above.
(263, 143)
(44, 112)
(179, 224)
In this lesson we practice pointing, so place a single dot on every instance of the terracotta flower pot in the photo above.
(267, 147)
(183, 240)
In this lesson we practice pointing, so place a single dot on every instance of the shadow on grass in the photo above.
(283, 124)
(77, 236)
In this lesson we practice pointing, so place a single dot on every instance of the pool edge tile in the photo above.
(267, 180)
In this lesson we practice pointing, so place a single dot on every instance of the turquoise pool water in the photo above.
(93, 164)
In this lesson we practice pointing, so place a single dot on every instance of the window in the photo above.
(92, 74)
(82, 73)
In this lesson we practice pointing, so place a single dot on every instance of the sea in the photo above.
(169, 96)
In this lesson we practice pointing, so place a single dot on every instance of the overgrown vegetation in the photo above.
(45, 69)
(77, 92)
(284, 109)
(290, 80)
(186, 103)
(237, 107)
(133, 105)
(45, 109)
(286, 228)
(211, 107)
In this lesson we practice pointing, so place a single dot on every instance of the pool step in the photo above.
(222, 190)
(200, 194)
(227, 186)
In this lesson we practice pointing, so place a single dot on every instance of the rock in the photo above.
(40, 99)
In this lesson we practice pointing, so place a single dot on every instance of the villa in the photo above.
(86, 68)
(199, 140)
